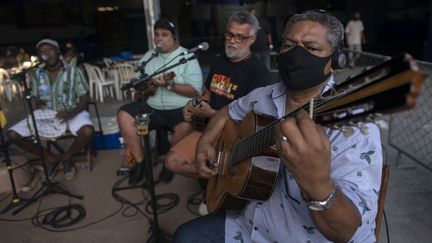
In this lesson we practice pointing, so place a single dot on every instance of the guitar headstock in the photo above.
(390, 87)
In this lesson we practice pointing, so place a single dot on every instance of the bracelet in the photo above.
(170, 86)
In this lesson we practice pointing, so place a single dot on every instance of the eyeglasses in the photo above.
(237, 38)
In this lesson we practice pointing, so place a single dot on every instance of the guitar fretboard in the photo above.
(370, 92)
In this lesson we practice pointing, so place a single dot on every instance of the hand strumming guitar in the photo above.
(187, 112)
(163, 80)
(63, 116)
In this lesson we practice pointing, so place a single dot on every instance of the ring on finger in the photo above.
(282, 138)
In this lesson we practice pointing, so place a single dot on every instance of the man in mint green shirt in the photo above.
(165, 105)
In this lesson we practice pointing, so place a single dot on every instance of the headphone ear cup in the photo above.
(339, 60)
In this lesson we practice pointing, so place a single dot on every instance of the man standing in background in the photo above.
(355, 37)
(263, 44)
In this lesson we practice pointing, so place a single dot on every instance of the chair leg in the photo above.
(91, 90)
(101, 94)
(89, 155)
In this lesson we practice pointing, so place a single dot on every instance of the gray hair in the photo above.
(243, 17)
(335, 35)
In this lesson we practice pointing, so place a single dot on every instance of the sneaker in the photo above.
(165, 175)
(202, 209)
(69, 170)
(137, 174)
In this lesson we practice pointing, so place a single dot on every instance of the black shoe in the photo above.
(165, 175)
(137, 174)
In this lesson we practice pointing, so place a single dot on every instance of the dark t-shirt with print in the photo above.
(228, 80)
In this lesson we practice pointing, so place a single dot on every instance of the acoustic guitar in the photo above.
(247, 161)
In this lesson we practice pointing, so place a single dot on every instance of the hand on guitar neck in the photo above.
(162, 80)
(198, 111)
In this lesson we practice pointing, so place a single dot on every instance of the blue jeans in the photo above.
(205, 229)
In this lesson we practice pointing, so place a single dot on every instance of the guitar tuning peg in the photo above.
(364, 129)
(348, 131)
(336, 127)
(382, 124)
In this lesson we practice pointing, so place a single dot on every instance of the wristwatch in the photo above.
(323, 205)
(170, 85)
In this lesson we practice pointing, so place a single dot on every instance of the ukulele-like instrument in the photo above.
(246, 160)
(198, 122)
(151, 88)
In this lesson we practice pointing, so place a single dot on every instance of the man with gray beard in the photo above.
(231, 76)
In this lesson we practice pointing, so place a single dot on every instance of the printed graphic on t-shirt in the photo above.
(222, 85)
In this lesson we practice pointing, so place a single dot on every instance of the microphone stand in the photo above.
(16, 200)
(143, 120)
(145, 78)
(142, 65)
(48, 187)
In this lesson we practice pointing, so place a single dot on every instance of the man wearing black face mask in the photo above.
(326, 189)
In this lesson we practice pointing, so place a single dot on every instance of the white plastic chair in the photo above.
(8, 88)
(125, 73)
(108, 62)
(99, 81)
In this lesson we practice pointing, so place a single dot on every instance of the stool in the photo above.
(84, 158)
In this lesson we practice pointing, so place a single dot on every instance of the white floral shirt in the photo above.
(355, 169)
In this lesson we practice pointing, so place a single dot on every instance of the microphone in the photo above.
(201, 47)
(42, 61)
(157, 49)
(43, 58)
(154, 54)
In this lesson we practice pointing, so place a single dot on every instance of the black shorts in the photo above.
(159, 119)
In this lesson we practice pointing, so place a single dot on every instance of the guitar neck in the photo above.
(390, 87)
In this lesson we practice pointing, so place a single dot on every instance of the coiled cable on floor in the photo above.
(60, 217)
(164, 202)
(194, 200)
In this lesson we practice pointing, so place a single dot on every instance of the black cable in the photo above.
(6, 196)
(59, 217)
(164, 202)
(193, 200)
(387, 228)
(114, 192)
(385, 155)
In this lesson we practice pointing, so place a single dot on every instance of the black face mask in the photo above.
(300, 69)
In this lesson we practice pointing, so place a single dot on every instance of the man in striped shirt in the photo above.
(64, 89)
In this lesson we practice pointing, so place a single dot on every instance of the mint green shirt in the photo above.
(187, 73)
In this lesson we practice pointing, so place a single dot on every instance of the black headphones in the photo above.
(339, 58)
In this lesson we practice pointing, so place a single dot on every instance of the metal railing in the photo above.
(410, 132)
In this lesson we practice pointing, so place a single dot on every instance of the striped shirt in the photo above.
(63, 93)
